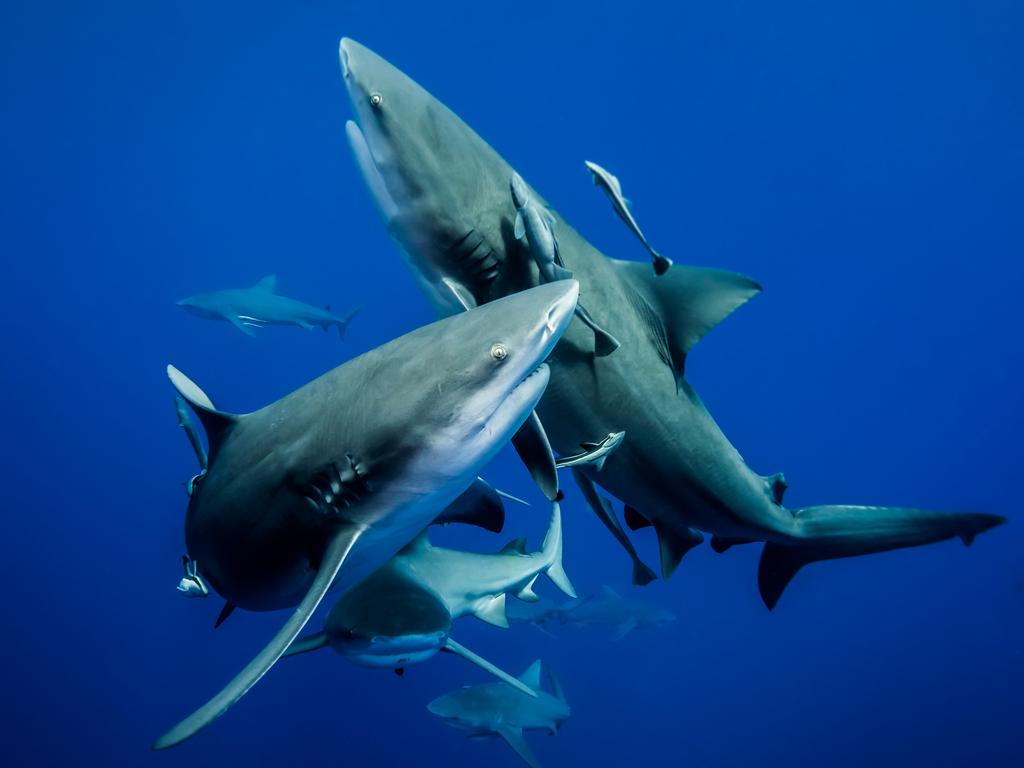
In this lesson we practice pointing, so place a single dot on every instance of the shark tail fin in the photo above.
(341, 323)
(837, 531)
(552, 552)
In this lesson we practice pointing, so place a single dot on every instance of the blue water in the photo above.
(864, 160)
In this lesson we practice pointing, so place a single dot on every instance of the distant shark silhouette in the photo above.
(402, 614)
(496, 709)
(357, 462)
(261, 305)
(443, 194)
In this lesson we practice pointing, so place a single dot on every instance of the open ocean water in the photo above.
(863, 160)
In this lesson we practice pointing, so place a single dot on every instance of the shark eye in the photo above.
(376, 99)
(499, 351)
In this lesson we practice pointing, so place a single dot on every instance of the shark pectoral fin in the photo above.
(673, 544)
(604, 342)
(480, 505)
(336, 552)
(519, 230)
(226, 611)
(689, 300)
(623, 629)
(244, 327)
(514, 737)
(460, 292)
(492, 610)
(551, 551)
(532, 445)
(306, 644)
(634, 519)
(601, 507)
(216, 423)
(460, 650)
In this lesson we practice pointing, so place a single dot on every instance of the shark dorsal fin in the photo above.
(689, 300)
(609, 593)
(267, 284)
(516, 545)
(531, 676)
(216, 423)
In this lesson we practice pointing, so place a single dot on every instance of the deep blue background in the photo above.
(863, 159)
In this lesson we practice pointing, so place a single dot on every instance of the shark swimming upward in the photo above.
(402, 614)
(352, 466)
(496, 709)
(443, 193)
(261, 305)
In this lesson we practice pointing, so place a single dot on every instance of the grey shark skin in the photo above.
(358, 461)
(402, 614)
(496, 709)
(443, 194)
(607, 608)
(261, 305)
(610, 185)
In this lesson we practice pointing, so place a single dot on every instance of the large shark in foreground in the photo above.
(496, 709)
(351, 466)
(402, 614)
(261, 305)
(443, 194)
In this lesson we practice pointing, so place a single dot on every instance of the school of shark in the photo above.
(328, 496)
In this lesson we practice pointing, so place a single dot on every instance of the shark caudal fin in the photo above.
(341, 323)
(552, 552)
(836, 531)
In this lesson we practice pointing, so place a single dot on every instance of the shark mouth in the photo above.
(333, 489)
(520, 401)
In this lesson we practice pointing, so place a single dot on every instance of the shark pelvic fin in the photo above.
(516, 545)
(634, 519)
(450, 646)
(689, 300)
(334, 556)
(673, 545)
(216, 423)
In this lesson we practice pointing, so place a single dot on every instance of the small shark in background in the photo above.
(260, 305)
(402, 614)
(607, 608)
(496, 709)
(613, 188)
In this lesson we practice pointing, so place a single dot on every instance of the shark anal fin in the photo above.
(516, 545)
(532, 445)
(336, 552)
(450, 646)
(634, 519)
(514, 738)
(673, 544)
(722, 544)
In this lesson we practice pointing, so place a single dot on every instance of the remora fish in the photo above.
(496, 709)
(613, 189)
(607, 608)
(593, 453)
(536, 224)
(260, 305)
(403, 613)
(358, 461)
(443, 194)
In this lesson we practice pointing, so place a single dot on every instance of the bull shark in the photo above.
(261, 305)
(353, 465)
(442, 192)
(495, 709)
(607, 608)
(402, 614)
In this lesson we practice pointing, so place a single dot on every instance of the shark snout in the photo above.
(563, 306)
